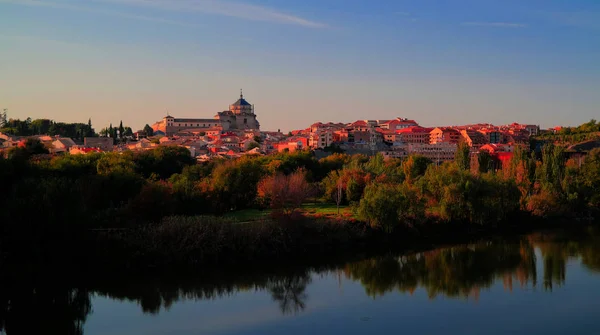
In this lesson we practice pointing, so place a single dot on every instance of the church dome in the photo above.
(241, 101)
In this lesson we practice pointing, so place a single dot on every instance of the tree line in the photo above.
(47, 198)
(571, 135)
(29, 127)
(76, 131)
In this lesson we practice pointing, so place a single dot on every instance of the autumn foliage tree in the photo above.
(284, 193)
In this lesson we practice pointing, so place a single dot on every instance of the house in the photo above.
(359, 125)
(414, 134)
(144, 143)
(438, 153)
(62, 144)
(164, 140)
(389, 136)
(102, 143)
(444, 135)
(492, 136)
(580, 150)
(293, 144)
(394, 154)
(396, 124)
(473, 138)
(79, 150)
(516, 138)
(255, 151)
(493, 148)
(533, 130)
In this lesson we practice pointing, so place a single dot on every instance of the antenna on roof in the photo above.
(241, 94)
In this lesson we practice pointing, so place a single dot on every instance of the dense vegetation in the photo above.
(30, 127)
(76, 131)
(572, 135)
(53, 203)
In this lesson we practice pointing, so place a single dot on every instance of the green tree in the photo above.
(382, 206)
(121, 130)
(463, 156)
(34, 146)
(415, 166)
(232, 185)
(484, 160)
(115, 163)
(148, 130)
(90, 131)
(163, 161)
(590, 171)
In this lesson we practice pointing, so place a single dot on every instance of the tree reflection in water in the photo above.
(289, 293)
(454, 272)
(461, 272)
(43, 310)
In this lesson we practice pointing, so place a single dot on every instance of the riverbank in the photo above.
(209, 242)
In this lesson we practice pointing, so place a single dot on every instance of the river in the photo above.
(542, 283)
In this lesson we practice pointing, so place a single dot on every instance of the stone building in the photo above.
(240, 116)
(102, 143)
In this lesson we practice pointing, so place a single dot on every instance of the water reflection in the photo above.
(289, 293)
(453, 272)
(42, 308)
(456, 272)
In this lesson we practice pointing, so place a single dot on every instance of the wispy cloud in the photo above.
(215, 7)
(495, 24)
(224, 8)
(59, 5)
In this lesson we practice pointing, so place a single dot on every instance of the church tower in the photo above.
(243, 114)
(241, 106)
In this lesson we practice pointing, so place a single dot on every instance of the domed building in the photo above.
(240, 116)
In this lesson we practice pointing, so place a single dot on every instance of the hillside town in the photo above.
(236, 132)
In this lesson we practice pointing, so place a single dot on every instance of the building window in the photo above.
(245, 121)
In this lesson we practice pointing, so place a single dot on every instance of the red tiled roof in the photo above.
(87, 150)
(359, 123)
(384, 131)
(414, 129)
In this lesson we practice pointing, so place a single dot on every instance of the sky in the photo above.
(439, 62)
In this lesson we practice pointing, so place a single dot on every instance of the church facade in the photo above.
(240, 116)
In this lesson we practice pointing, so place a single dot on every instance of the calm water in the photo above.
(537, 284)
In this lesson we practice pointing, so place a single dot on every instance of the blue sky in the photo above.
(440, 62)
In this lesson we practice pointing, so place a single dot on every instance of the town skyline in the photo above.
(291, 128)
(302, 62)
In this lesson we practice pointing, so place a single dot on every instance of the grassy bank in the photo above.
(316, 209)
(193, 242)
